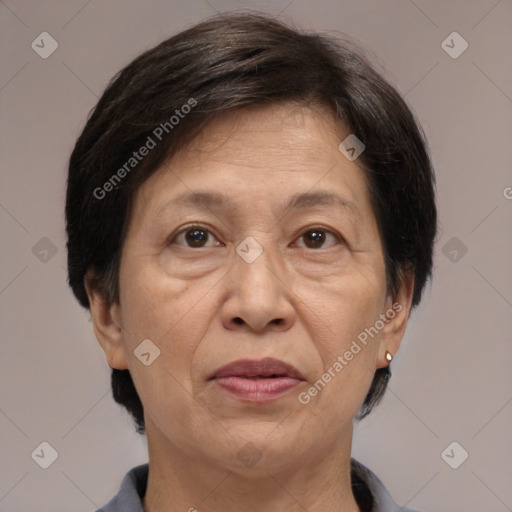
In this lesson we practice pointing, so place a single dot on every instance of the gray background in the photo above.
(452, 379)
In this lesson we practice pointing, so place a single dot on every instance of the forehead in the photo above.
(278, 134)
(268, 154)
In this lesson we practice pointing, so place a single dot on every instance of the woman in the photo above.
(250, 216)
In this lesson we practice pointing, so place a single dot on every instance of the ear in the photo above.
(107, 324)
(396, 312)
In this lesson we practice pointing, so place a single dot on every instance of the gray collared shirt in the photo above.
(133, 488)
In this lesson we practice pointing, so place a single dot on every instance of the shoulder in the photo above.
(131, 492)
(380, 496)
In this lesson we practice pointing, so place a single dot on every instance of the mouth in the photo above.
(257, 380)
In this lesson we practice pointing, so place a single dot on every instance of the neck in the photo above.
(316, 482)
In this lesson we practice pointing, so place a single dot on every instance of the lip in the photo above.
(251, 380)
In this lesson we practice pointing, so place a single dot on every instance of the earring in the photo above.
(389, 357)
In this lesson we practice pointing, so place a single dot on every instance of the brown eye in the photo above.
(316, 238)
(195, 236)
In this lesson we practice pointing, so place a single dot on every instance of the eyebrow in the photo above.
(208, 201)
(313, 199)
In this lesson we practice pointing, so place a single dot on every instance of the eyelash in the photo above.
(337, 236)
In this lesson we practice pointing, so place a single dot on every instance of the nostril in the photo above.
(238, 320)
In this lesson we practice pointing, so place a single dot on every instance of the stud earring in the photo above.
(389, 357)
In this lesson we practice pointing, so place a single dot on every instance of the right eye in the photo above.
(195, 236)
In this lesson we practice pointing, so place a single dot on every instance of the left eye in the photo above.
(315, 238)
(196, 236)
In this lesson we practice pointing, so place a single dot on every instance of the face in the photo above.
(257, 241)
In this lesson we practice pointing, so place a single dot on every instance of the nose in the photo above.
(258, 298)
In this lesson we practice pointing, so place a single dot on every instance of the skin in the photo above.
(206, 306)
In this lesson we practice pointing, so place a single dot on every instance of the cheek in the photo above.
(151, 300)
(172, 313)
(338, 316)
(340, 308)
